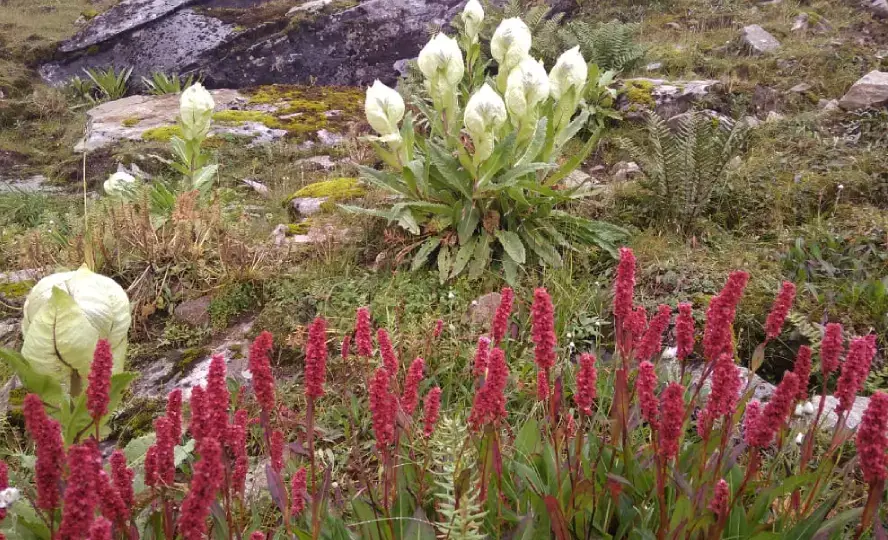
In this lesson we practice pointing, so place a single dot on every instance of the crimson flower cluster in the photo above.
(780, 310)
(363, 338)
(587, 377)
(765, 426)
(500, 324)
(717, 337)
(872, 440)
(652, 340)
(410, 397)
(47, 436)
(684, 331)
(259, 365)
(431, 408)
(831, 348)
(316, 359)
(646, 386)
(489, 406)
(479, 368)
(854, 371)
(543, 319)
(98, 390)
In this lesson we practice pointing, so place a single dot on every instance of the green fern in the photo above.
(812, 333)
(684, 165)
(610, 45)
(461, 514)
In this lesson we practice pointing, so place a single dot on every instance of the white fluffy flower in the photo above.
(570, 71)
(120, 184)
(510, 44)
(441, 62)
(196, 110)
(8, 497)
(485, 114)
(527, 86)
(384, 108)
(473, 16)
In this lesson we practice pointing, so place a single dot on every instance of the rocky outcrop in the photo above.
(879, 8)
(352, 47)
(870, 91)
(757, 40)
(667, 98)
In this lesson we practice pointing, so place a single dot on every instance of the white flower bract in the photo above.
(472, 16)
(527, 86)
(510, 44)
(570, 71)
(119, 184)
(441, 62)
(485, 114)
(384, 108)
(196, 110)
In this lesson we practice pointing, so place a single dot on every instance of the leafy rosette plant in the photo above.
(65, 316)
(478, 172)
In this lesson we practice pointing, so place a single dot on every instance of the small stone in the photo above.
(828, 105)
(623, 171)
(654, 66)
(757, 40)
(329, 139)
(310, 7)
(482, 309)
(751, 121)
(195, 312)
(316, 163)
(673, 26)
(800, 88)
(258, 187)
(774, 116)
(576, 179)
(870, 91)
(879, 8)
(307, 206)
(800, 23)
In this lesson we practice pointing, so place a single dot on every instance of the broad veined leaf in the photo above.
(514, 175)
(512, 245)
(384, 180)
(500, 158)
(535, 146)
(445, 263)
(450, 171)
(45, 386)
(463, 255)
(467, 223)
(426, 249)
(481, 256)
(203, 178)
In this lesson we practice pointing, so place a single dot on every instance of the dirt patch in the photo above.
(9, 160)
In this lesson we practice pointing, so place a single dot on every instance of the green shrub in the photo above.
(111, 83)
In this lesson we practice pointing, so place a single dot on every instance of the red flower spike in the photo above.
(753, 411)
(672, 406)
(802, 369)
(81, 493)
(717, 335)
(47, 436)
(198, 422)
(111, 502)
(387, 351)
(382, 408)
(410, 397)
(479, 368)
(872, 440)
(4, 483)
(316, 359)
(489, 406)
(543, 386)
(543, 315)
(430, 411)
(500, 324)
(122, 477)
(258, 535)
(174, 413)
(587, 377)
(652, 342)
(207, 478)
(646, 386)
(166, 467)
(725, 389)
(218, 399)
(276, 450)
(297, 492)
(684, 331)
(363, 338)
(259, 365)
(831, 348)
(152, 479)
(99, 387)
(346, 346)
(635, 326)
(439, 327)
(780, 310)
(775, 413)
(624, 285)
(720, 495)
(854, 371)
(237, 443)
(100, 529)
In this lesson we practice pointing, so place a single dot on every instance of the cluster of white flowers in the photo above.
(522, 82)
(196, 111)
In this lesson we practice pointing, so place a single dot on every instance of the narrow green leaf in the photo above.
(481, 256)
(463, 256)
(537, 141)
(422, 254)
(444, 263)
(575, 160)
(512, 245)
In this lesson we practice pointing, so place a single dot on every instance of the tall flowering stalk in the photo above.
(500, 324)
(205, 483)
(482, 350)
(315, 376)
(872, 445)
(260, 369)
(780, 310)
(776, 412)
(99, 389)
(410, 396)
(81, 493)
(854, 371)
(431, 409)
(672, 414)
(717, 335)
(363, 335)
(651, 343)
(684, 332)
(47, 436)
(646, 387)
(489, 406)
(543, 317)
(624, 292)
(387, 351)
(587, 377)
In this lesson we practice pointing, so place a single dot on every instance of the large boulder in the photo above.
(353, 46)
(870, 91)
(757, 40)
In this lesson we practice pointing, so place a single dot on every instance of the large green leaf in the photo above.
(481, 256)
(537, 141)
(469, 218)
(445, 263)
(512, 245)
(515, 174)
(426, 249)
(806, 529)
(463, 256)
(384, 180)
(450, 171)
(45, 386)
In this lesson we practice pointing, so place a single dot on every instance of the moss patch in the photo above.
(639, 93)
(336, 189)
(189, 358)
(131, 121)
(137, 419)
(303, 110)
(16, 290)
(162, 134)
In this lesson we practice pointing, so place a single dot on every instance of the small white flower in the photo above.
(799, 410)
(119, 184)
(841, 186)
(809, 408)
(670, 353)
(485, 114)
(799, 438)
(510, 44)
(527, 86)
(196, 110)
(384, 108)
(8, 497)
(572, 345)
(473, 16)
(441, 62)
(450, 295)
(570, 71)
(569, 335)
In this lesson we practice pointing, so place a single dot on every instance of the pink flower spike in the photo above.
(346, 345)
(780, 310)
(382, 408)
(646, 386)
(387, 351)
(720, 495)
(81, 492)
(872, 440)
(99, 387)
(439, 327)
(100, 529)
(652, 342)
(218, 399)
(543, 386)
(122, 477)
(587, 377)
(624, 285)
(854, 371)
(363, 338)
(430, 411)
(672, 407)
(684, 331)
(316, 359)
(717, 335)
(753, 410)
(500, 324)
(410, 397)
(489, 406)
(543, 317)
(802, 369)
(775, 413)
(259, 365)
(297, 492)
(206, 481)
(276, 450)
(481, 352)
(47, 436)
(831, 348)
(174, 412)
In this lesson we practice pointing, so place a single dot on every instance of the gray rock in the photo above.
(870, 91)
(17, 276)
(672, 97)
(482, 309)
(352, 47)
(673, 26)
(195, 312)
(125, 16)
(800, 23)
(623, 171)
(9, 332)
(31, 184)
(327, 138)
(311, 6)
(762, 389)
(800, 88)
(316, 163)
(654, 66)
(757, 40)
(828, 105)
(879, 8)
(578, 180)
(307, 206)
(257, 186)
(774, 116)
(751, 121)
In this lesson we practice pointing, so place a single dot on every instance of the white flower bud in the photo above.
(570, 71)
(527, 86)
(473, 16)
(799, 438)
(196, 110)
(808, 408)
(510, 44)
(485, 114)
(120, 184)
(441, 62)
(8, 497)
(384, 108)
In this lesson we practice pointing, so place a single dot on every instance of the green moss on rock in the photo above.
(189, 358)
(131, 121)
(162, 134)
(19, 289)
(334, 190)
(639, 93)
(137, 419)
